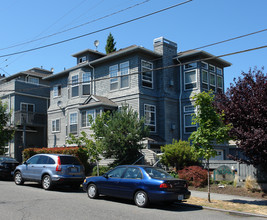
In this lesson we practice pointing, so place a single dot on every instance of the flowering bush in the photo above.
(195, 176)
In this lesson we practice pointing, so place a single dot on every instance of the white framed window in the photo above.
(188, 126)
(190, 78)
(27, 107)
(86, 117)
(113, 73)
(219, 156)
(57, 91)
(147, 74)
(75, 85)
(212, 68)
(190, 66)
(219, 71)
(219, 84)
(86, 83)
(205, 79)
(73, 123)
(124, 72)
(212, 81)
(55, 125)
(150, 116)
(189, 108)
(33, 80)
(82, 59)
(204, 65)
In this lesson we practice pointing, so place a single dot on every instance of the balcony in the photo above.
(30, 119)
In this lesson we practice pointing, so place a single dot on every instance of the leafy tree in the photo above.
(110, 46)
(178, 155)
(6, 133)
(245, 106)
(210, 128)
(119, 134)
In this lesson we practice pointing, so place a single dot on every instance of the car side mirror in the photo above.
(25, 163)
(105, 175)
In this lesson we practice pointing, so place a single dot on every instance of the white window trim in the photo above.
(155, 117)
(86, 118)
(214, 78)
(128, 74)
(56, 86)
(82, 59)
(191, 126)
(213, 68)
(31, 77)
(77, 121)
(76, 85)
(219, 76)
(196, 71)
(24, 103)
(114, 78)
(194, 110)
(57, 119)
(206, 64)
(152, 75)
(189, 68)
(87, 83)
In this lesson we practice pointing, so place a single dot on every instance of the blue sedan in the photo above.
(143, 184)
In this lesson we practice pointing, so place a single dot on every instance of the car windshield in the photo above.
(157, 173)
(9, 159)
(69, 160)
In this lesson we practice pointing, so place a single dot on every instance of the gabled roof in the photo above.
(88, 51)
(204, 54)
(30, 72)
(96, 101)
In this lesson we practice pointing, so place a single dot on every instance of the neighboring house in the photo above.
(27, 97)
(154, 83)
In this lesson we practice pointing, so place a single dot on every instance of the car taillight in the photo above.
(165, 186)
(58, 168)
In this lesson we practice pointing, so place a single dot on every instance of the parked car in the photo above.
(7, 167)
(143, 184)
(50, 169)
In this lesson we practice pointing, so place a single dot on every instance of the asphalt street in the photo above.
(31, 202)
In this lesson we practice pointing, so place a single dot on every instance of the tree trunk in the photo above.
(208, 165)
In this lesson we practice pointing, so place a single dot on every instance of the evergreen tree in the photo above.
(110, 46)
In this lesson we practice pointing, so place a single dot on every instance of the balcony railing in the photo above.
(30, 118)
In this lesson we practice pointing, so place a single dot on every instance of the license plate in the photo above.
(180, 197)
(73, 170)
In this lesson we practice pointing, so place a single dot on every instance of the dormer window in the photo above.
(82, 59)
(33, 80)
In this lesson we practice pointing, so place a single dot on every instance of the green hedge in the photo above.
(80, 152)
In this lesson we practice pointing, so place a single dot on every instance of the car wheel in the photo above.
(92, 191)
(46, 182)
(18, 178)
(141, 199)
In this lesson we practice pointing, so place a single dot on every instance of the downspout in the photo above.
(180, 99)
(93, 78)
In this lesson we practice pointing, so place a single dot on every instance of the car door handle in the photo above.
(44, 166)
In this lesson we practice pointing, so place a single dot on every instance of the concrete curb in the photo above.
(228, 211)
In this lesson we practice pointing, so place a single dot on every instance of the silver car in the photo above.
(50, 169)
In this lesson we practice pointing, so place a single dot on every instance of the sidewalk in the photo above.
(231, 199)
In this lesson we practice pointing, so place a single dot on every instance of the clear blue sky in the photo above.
(191, 25)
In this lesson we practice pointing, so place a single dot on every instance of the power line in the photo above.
(155, 69)
(97, 31)
(69, 29)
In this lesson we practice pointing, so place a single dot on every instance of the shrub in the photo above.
(102, 170)
(251, 184)
(79, 152)
(195, 175)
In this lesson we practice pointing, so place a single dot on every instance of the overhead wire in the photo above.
(78, 26)
(154, 69)
(97, 31)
